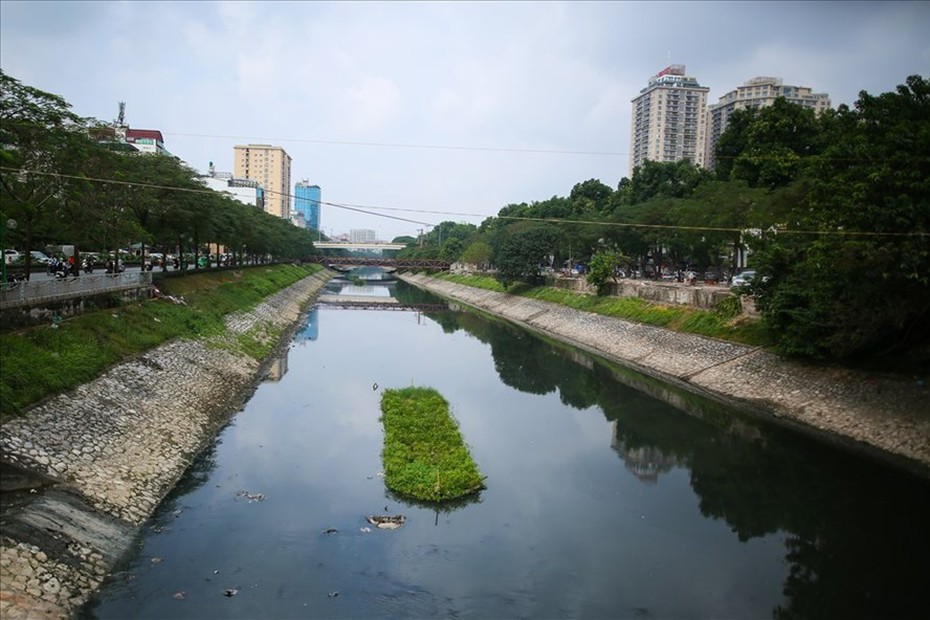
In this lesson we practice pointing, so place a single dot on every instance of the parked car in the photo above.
(10, 256)
(39, 257)
(743, 278)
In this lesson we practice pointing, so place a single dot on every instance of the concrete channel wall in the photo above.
(84, 470)
(885, 417)
(88, 468)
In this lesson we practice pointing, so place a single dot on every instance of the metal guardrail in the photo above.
(410, 263)
(16, 294)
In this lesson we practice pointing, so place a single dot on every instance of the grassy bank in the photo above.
(46, 360)
(424, 455)
(722, 322)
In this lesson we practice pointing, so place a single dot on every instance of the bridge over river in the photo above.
(370, 302)
(338, 262)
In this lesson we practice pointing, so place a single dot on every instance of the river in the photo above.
(609, 495)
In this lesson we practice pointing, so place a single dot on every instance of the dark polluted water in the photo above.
(609, 495)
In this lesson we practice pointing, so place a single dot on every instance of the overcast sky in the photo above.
(416, 108)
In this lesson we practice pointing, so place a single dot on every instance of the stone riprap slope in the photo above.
(109, 451)
(885, 416)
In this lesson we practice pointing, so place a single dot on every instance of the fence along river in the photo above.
(602, 500)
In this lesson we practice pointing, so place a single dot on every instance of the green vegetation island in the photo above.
(424, 455)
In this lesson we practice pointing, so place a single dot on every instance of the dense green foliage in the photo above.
(848, 294)
(67, 180)
(46, 360)
(833, 213)
(424, 455)
(603, 268)
(518, 252)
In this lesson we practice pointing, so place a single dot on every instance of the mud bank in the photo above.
(883, 417)
(82, 471)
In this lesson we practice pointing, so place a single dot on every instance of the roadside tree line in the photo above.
(65, 180)
(832, 211)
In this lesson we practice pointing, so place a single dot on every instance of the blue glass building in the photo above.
(307, 201)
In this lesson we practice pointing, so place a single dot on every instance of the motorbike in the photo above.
(87, 265)
(58, 268)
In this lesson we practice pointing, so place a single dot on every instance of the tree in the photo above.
(39, 136)
(590, 198)
(519, 250)
(478, 254)
(602, 268)
(659, 180)
(860, 288)
(767, 147)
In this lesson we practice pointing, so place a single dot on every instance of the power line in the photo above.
(778, 231)
(493, 149)
(405, 145)
(192, 190)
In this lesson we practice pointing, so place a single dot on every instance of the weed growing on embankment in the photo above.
(717, 323)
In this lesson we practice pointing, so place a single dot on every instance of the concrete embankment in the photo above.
(885, 417)
(82, 471)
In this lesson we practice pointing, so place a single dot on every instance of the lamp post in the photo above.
(9, 224)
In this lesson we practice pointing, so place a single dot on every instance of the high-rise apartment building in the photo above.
(307, 201)
(362, 235)
(271, 167)
(669, 119)
(758, 92)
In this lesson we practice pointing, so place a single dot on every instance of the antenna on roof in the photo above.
(121, 118)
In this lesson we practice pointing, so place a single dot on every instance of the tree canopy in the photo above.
(64, 180)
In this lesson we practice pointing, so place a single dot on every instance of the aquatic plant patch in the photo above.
(424, 455)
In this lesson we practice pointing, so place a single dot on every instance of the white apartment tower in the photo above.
(758, 92)
(669, 119)
(271, 167)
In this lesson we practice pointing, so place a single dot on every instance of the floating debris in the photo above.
(252, 497)
(230, 592)
(365, 529)
(334, 594)
(386, 522)
(330, 530)
(156, 560)
(180, 595)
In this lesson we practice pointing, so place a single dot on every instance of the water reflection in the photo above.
(856, 527)
(609, 494)
(277, 368)
(311, 328)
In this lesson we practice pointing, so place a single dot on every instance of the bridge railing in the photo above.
(15, 294)
(401, 263)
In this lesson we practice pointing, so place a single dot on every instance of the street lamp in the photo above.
(10, 224)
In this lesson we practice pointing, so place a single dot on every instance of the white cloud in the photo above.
(370, 105)
(522, 75)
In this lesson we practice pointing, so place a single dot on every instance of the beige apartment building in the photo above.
(758, 92)
(669, 119)
(271, 167)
